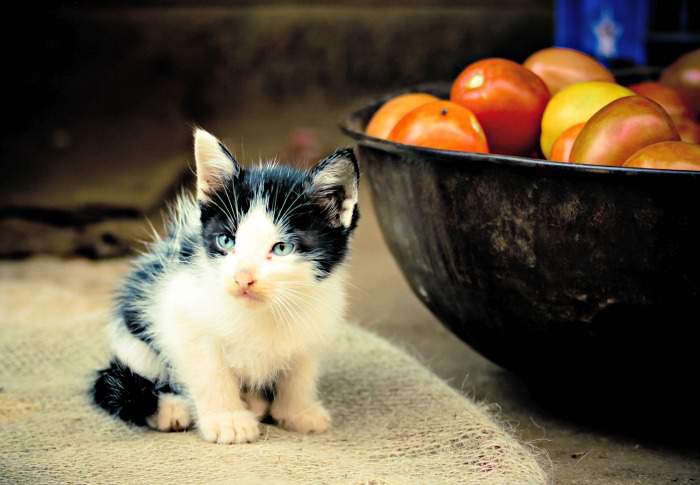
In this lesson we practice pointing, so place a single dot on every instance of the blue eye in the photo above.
(282, 249)
(225, 242)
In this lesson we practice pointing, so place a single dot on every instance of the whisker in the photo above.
(228, 215)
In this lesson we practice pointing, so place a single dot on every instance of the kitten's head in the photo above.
(273, 231)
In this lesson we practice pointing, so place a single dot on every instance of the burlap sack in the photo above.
(394, 422)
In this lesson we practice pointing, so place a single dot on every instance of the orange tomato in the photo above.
(668, 155)
(391, 112)
(561, 150)
(442, 125)
(560, 67)
(666, 96)
(507, 99)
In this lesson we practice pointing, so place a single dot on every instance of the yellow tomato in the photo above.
(576, 104)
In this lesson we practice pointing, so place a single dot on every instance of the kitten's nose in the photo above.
(244, 279)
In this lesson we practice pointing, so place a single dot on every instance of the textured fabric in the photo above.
(394, 422)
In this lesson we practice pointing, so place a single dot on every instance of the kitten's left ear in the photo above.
(215, 164)
(335, 182)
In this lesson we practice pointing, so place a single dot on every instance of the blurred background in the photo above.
(101, 98)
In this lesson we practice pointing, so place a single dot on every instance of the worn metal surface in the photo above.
(570, 276)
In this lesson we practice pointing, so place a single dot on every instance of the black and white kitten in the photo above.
(232, 308)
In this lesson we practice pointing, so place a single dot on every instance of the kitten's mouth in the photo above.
(247, 295)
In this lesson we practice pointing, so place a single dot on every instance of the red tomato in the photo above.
(442, 125)
(507, 99)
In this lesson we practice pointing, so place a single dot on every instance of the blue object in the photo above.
(606, 29)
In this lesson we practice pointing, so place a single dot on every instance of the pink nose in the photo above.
(244, 279)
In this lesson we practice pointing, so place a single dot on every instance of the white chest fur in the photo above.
(262, 350)
(257, 344)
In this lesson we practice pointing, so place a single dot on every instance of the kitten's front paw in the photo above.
(225, 428)
(310, 419)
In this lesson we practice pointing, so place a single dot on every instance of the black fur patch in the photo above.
(125, 394)
(133, 295)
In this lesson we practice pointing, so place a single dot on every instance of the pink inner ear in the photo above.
(215, 164)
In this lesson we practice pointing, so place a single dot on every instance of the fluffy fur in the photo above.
(221, 336)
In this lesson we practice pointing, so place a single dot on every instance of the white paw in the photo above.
(225, 428)
(257, 404)
(310, 419)
(173, 414)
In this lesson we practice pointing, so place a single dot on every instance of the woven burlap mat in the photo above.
(394, 421)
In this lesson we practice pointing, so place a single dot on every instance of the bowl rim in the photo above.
(434, 155)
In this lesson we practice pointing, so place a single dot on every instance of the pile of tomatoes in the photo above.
(560, 104)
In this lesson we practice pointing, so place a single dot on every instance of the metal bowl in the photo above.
(583, 280)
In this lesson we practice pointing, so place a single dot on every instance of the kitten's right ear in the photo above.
(215, 164)
(335, 181)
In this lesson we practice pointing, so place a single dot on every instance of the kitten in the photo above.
(223, 320)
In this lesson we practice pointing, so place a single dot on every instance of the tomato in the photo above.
(576, 104)
(391, 112)
(620, 129)
(561, 150)
(684, 76)
(559, 67)
(443, 125)
(669, 155)
(687, 129)
(507, 99)
(666, 96)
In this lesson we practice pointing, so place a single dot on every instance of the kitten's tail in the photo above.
(125, 394)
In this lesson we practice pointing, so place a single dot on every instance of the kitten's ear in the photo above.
(335, 182)
(215, 164)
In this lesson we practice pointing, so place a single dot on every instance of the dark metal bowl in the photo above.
(583, 280)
